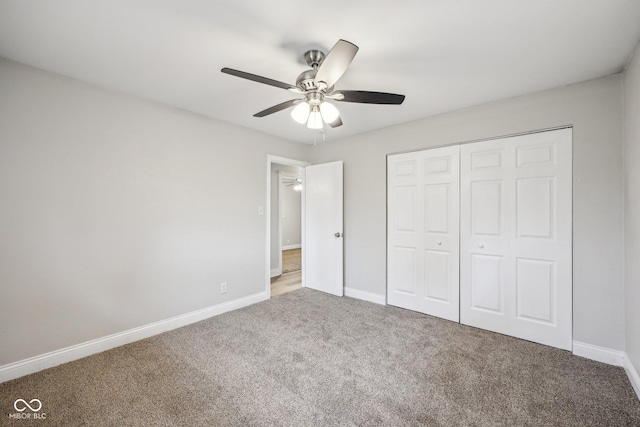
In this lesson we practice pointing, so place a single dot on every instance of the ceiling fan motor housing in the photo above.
(306, 80)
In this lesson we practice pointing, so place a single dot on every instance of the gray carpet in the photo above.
(306, 358)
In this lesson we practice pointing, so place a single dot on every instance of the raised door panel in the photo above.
(404, 207)
(487, 283)
(437, 205)
(437, 276)
(407, 168)
(535, 290)
(490, 159)
(404, 270)
(535, 207)
(486, 208)
(537, 154)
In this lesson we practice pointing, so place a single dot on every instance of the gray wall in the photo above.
(594, 108)
(117, 212)
(632, 207)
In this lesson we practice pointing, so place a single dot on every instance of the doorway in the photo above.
(284, 225)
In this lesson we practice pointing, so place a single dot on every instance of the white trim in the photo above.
(276, 272)
(303, 212)
(288, 247)
(78, 351)
(634, 378)
(489, 138)
(611, 357)
(280, 185)
(366, 296)
(599, 354)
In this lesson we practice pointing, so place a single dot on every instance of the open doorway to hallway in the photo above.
(286, 228)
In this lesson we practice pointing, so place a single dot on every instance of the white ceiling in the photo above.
(443, 55)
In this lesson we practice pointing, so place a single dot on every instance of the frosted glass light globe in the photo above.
(301, 113)
(329, 112)
(315, 120)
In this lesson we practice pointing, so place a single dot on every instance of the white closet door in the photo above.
(423, 231)
(516, 237)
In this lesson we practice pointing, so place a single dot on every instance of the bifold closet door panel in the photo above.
(516, 236)
(423, 231)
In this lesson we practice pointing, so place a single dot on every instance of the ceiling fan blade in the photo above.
(279, 107)
(260, 79)
(366, 97)
(337, 122)
(336, 62)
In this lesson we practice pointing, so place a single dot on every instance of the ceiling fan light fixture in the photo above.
(301, 113)
(315, 119)
(329, 112)
(318, 83)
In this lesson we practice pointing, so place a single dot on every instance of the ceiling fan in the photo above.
(318, 85)
(296, 183)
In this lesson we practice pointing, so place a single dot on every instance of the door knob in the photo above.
(338, 234)
(480, 245)
(439, 243)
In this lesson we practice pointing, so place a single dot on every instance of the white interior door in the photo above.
(323, 240)
(423, 231)
(516, 237)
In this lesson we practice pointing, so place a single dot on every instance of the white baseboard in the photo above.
(599, 354)
(610, 357)
(634, 378)
(286, 248)
(366, 296)
(276, 272)
(78, 351)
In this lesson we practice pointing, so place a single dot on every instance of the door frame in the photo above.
(271, 159)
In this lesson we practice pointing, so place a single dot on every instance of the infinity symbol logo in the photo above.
(27, 405)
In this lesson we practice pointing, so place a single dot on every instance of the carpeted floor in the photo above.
(306, 358)
(291, 260)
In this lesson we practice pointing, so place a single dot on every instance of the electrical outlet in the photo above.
(223, 287)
